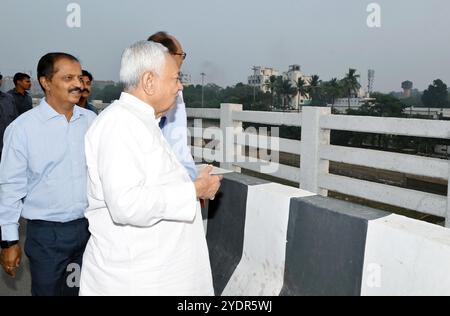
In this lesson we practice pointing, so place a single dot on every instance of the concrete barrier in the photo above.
(261, 269)
(325, 249)
(225, 228)
(406, 257)
(269, 239)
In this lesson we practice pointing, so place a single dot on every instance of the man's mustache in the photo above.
(86, 90)
(75, 90)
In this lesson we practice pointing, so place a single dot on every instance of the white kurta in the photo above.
(147, 233)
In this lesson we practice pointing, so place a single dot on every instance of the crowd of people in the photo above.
(118, 194)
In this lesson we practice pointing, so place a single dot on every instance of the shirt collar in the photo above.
(76, 113)
(47, 112)
(141, 106)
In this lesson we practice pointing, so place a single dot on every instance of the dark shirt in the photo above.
(23, 101)
(92, 108)
(8, 113)
(162, 122)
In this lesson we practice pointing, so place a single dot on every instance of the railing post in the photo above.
(197, 151)
(229, 128)
(311, 166)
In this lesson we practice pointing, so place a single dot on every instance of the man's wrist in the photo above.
(5, 244)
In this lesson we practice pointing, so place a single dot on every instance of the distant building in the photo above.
(293, 74)
(342, 104)
(261, 77)
(101, 84)
(186, 79)
(407, 89)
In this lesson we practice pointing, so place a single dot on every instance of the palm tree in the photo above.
(278, 86)
(313, 89)
(351, 84)
(271, 84)
(335, 90)
(287, 91)
(302, 90)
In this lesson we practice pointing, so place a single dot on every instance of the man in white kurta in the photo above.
(144, 216)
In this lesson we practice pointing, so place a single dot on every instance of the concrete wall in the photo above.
(285, 241)
(269, 239)
(406, 257)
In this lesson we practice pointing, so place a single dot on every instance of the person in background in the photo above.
(87, 89)
(43, 178)
(174, 122)
(8, 112)
(147, 235)
(22, 99)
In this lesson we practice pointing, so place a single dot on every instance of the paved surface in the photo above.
(21, 285)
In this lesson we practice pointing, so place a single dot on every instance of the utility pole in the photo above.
(203, 83)
(254, 85)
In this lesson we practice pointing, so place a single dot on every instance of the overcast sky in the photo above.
(225, 38)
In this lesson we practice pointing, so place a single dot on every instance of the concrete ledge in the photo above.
(404, 256)
(325, 246)
(225, 230)
(261, 269)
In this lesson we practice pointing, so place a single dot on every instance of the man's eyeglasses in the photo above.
(183, 55)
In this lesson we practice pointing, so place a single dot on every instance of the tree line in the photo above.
(281, 91)
(320, 93)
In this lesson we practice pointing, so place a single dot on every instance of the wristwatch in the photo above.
(4, 244)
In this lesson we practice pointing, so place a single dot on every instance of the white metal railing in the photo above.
(316, 153)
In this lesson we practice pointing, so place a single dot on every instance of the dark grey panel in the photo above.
(226, 223)
(239, 178)
(325, 246)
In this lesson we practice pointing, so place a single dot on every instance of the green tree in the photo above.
(272, 85)
(301, 89)
(351, 84)
(331, 91)
(436, 96)
(314, 90)
(287, 92)
(108, 94)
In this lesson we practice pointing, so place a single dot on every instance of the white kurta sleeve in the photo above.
(129, 177)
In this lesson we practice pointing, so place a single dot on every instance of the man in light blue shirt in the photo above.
(174, 123)
(43, 178)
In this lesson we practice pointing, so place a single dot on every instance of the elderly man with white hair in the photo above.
(144, 215)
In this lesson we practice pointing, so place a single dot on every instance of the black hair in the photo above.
(46, 65)
(164, 39)
(20, 76)
(87, 74)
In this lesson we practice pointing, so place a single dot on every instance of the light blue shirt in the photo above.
(174, 130)
(43, 173)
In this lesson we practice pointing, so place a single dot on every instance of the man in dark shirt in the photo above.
(8, 113)
(22, 99)
(87, 79)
